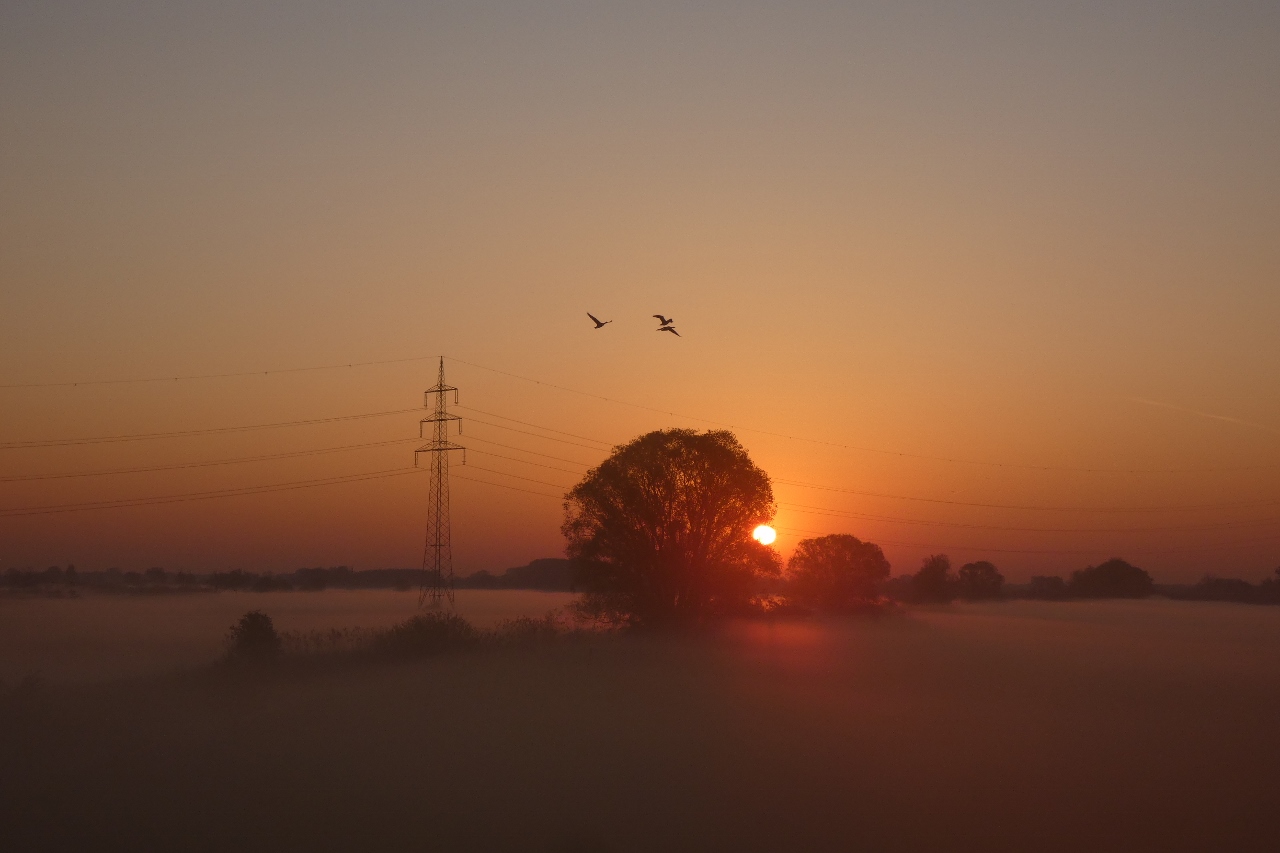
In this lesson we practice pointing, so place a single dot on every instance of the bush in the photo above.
(426, 635)
(526, 630)
(253, 638)
(1222, 589)
(1047, 588)
(330, 642)
(1113, 579)
(978, 581)
(1269, 589)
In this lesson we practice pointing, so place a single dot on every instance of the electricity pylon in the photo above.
(437, 554)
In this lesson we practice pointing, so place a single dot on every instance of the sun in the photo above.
(764, 534)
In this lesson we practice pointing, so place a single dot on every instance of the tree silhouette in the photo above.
(934, 583)
(1047, 588)
(980, 580)
(661, 529)
(1269, 589)
(837, 571)
(1113, 579)
(253, 638)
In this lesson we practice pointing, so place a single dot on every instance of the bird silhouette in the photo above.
(600, 324)
(670, 329)
(663, 321)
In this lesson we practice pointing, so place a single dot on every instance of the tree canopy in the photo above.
(934, 582)
(1113, 579)
(837, 571)
(662, 528)
(979, 580)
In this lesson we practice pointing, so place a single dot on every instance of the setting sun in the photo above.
(764, 534)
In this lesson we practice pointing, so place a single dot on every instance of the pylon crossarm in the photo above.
(438, 419)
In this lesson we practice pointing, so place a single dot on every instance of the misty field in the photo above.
(1147, 725)
(99, 637)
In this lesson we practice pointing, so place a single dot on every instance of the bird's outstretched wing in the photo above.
(669, 329)
(662, 320)
(594, 319)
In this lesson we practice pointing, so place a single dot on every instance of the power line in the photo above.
(935, 547)
(860, 448)
(1038, 507)
(194, 496)
(535, 435)
(147, 436)
(517, 477)
(209, 464)
(606, 444)
(524, 461)
(512, 488)
(537, 426)
(243, 373)
(812, 510)
(533, 452)
(833, 513)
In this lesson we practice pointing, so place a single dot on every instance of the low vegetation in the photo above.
(254, 642)
(549, 574)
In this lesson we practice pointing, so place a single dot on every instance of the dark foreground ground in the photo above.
(1028, 727)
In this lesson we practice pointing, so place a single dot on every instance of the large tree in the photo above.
(837, 571)
(662, 528)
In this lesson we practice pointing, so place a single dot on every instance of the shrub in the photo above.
(1269, 589)
(1222, 589)
(1047, 588)
(330, 642)
(980, 580)
(253, 638)
(1113, 579)
(426, 635)
(526, 630)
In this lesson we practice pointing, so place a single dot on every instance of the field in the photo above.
(1020, 726)
(100, 637)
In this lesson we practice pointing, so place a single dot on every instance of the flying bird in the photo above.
(663, 321)
(670, 329)
(600, 324)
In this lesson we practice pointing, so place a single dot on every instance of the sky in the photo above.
(998, 280)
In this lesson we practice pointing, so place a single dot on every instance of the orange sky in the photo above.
(1021, 263)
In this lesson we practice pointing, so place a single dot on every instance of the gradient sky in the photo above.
(1013, 254)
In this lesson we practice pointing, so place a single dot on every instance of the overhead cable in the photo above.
(860, 448)
(210, 463)
(242, 373)
(195, 496)
(147, 436)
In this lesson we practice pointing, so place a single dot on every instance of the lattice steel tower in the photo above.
(437, 554)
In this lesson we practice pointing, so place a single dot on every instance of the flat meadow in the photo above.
(1109, 725)
(103, 637)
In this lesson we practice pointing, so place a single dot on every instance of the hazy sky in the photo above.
(1042, 239)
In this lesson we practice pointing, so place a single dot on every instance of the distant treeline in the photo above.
(546, 574)
(934, 582)
(1115, 578)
